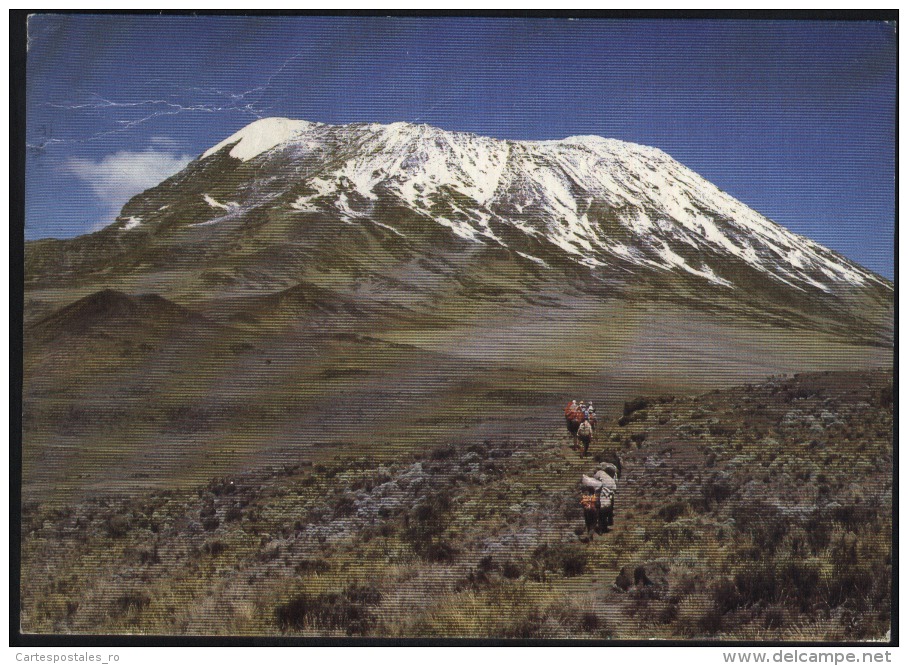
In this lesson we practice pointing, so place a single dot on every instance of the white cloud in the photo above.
(164, 142)
(117, 177)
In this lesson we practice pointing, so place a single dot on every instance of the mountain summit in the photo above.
(601, 202)
(282, 200)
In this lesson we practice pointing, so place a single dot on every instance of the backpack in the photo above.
(585, 429)
(588, 501)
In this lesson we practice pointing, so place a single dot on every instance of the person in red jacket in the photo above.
(573, 417)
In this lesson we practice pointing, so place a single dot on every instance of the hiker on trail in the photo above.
(607, 474)
(573, 417)
(580, 419)
(585, 435)
(591, 414)
(598, 499)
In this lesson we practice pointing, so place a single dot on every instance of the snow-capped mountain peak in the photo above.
(599, 202)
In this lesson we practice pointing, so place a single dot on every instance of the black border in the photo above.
(18, 49)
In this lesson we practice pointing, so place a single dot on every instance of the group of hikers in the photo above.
(598, 491)
(581, 423)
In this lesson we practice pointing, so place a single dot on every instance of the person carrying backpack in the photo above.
(572, 419)
(598, 501)
(585, 434)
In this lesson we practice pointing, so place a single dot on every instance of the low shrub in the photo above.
(313, 566)
(344, 506)
(214, 548)
(118, 526)
(861, 587)
(351, 611)
(635, 405)
(642, 415)
(715, 491)
(525, 626)
(589, 622)
(474, 580)
(672, 511)
(765, 523)
(443, 453)
(424, 526)
(131, 602)
(567, 559)
(511, 570)
(554, 621)
(149, 555)
(438, 551)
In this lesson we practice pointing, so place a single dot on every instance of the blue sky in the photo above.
(796, 119)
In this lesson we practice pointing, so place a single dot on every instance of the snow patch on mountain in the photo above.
(389, 228)
(533, 259)
(260, 136)
(214, 203)
(305, 205)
